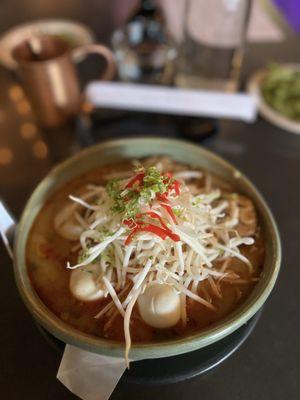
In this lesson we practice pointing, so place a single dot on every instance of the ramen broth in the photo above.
(48, 254)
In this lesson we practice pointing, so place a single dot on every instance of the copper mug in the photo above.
(48, 73)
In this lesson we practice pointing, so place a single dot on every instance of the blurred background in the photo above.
(104, 16)
(221, 73)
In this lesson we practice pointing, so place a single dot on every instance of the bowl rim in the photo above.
(73, 336)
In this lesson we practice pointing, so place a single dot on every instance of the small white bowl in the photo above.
(271, 115)
(79, 34)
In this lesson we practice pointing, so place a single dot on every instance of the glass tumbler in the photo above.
(212, 47)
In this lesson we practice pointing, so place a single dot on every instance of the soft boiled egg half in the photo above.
(159, 306)
(84, 285)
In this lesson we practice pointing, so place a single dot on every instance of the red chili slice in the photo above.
(170, 212)
(130, 236)
(162, 197)
(176, 187)
(168, 177)
(138, 178)
(153, 214)
(130, 223)
(174, 237)
(158, 231)
(161, 232)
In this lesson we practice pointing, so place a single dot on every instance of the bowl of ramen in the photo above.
(145, 248)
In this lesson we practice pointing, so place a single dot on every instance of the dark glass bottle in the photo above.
(144, 51)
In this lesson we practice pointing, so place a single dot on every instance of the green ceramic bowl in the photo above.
(114, 151)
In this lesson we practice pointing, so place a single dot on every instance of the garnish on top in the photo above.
(146, 186)
(134, 201)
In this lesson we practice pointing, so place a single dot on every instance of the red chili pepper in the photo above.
(168, 177)
(130, 223)
(138, 178)
(152, 214)
(170, 212)
(176, 187)
(157, 216)
(130, 236)
(162, 197)
(145, 228)
(161, 232)
(174, 236)
(157, 230)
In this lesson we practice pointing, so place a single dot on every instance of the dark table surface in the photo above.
(267, 366)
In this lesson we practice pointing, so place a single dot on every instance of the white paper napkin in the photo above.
(178, 101)
(90, 376)
(7, 225)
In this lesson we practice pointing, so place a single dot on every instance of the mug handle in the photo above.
(84, 51)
